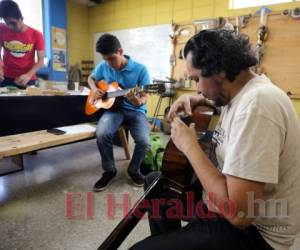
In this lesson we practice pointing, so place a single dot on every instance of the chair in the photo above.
(124, 142)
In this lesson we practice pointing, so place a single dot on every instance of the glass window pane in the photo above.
(32, 13)
(238, 4)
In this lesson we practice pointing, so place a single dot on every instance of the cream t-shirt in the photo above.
(258, 138)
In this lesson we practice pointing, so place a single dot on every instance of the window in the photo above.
(32, 13)
(238, 4)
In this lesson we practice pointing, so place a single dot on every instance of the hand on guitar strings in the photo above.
(184, 137)
(182, 104)
(98, 94)
(133, 98)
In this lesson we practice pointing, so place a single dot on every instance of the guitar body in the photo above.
(112, 91)
(176, 176)
(176, 166)
(93, 105)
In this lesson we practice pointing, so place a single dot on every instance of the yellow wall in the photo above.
(297, 106)
(78, 35)
(83, 22)
(122, 14)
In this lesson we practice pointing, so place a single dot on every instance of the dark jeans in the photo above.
(107, 126)
(10, 82)
(213, 233)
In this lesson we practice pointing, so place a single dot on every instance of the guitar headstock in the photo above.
(154, 88)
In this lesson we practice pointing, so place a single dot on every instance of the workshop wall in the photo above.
(79, 38)
(124, 14)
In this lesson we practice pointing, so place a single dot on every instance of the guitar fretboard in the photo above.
(117, 93)
(146, 88)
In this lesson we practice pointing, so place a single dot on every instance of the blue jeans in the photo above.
(107, 126)
(10, 82)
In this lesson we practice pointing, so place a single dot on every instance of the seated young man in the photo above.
(256, 155)
(131, 110)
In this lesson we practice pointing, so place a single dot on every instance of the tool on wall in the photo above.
(295, 13)
(223, 23)
(262, 35)
(286, 12)
(244, 20)
(181, 34)
(236, 26)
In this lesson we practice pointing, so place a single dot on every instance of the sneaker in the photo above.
(137, 179)
(104, 181)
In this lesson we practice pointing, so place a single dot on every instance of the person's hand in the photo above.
(131, 96)
(98, 94)
(184, 137)
(22, 80)
(183, 103)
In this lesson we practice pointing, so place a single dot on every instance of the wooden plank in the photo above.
(27, 142)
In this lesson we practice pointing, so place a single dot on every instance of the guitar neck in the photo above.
(160, 185)
(118, 93)
(153, 88)
(123, 229)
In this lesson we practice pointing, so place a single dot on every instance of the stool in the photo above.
(171, 96)
(124, 141)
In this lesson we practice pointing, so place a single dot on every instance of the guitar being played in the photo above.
(116, 67)
(105, 94)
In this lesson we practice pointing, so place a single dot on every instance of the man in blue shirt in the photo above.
(131, 109)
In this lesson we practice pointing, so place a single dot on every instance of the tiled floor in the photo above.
(33, 202)
(33, 208)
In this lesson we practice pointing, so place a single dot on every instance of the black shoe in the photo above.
(137, 179)
(104, 181)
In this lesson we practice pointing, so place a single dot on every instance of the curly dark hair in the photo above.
(10, 9)
(214, 51)
(108, 44)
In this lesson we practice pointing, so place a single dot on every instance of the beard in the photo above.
(221, 98)
(221, 101)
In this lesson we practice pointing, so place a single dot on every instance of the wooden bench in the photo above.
(13, 147)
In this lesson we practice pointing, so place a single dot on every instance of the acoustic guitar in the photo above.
(112, 91)
(176, 177)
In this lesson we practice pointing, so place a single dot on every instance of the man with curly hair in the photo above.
(256, 162)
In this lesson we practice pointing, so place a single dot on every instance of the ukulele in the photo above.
(112, 91)
(176, 176)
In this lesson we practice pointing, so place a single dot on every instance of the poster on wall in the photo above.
(59, 49)
(59, 60)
